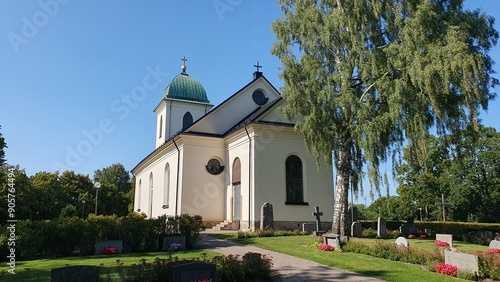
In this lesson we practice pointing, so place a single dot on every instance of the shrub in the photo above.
(369, 233)
(256, 265)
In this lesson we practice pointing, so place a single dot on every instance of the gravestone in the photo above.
(356, 229)
(352, 215)
(381, 228)
(266, 217)
(187, 271)
(411, 226)
(403, 229)
(428, 232)
(75, 274)
(401, 241)
(308, 227)
(494, 244)
(117, 244)
(317, 215)
(448, 238)
(174, 243)
(464, 262)
(334, 239)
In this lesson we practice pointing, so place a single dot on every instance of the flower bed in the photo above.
(447, 269)
(109, 251)
(440, 243)
(325, 247)
(493, 251)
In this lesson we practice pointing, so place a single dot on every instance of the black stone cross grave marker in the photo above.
(317, 214)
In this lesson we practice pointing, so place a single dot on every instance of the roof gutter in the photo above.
(249, 174)
(178, 172)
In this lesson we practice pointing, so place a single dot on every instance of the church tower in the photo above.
(183, 102)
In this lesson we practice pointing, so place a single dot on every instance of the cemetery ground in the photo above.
(298, 246)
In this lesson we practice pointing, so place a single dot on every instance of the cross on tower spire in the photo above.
(183, 67)
(257, 66)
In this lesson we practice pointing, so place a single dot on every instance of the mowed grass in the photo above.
(39, 270)
(298, 246)
(388, 270)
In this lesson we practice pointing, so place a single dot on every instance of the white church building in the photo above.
(225, 162)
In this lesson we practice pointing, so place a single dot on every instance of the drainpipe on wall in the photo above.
(249, 174)
(178, 171)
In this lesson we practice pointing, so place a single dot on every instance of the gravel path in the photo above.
(288, 268)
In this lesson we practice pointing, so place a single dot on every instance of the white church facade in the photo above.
(225, 162)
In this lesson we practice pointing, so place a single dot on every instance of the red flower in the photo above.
(493, 251)
(411, 236)
(325, 247)
(423, 236)
(440, 243)
(447, 269)
(109, 251)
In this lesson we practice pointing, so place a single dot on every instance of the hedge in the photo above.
(74, 236)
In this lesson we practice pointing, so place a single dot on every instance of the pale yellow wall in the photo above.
(272, 148)
(203, 193)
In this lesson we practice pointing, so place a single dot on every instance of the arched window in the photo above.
(160, 130)
(139, 191)
(166, 186)
(294, 180)
(151, 195)
(187, 120)
(236, 171)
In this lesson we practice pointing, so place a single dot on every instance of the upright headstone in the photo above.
(356, 229)
(494, 244)
(352, 215)
(187, 271)
(308, 227)
(401, 241)
(403, 229)
(463, 261)
(448, 238)
(75, 273)
(411, 226)
(117, 244)
(266, 217)
(317, 214)
(381, 228)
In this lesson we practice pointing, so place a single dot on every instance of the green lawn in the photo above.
(39, 270)
(375, 267)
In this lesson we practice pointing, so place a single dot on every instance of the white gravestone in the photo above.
(464, 262)
(401, 241)
(448, 238)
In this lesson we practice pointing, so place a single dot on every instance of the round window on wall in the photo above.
(259, 98)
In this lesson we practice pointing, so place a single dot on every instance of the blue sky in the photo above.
(79, 79)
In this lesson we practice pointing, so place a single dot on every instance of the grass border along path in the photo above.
(384, 269)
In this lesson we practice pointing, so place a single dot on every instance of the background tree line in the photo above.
(464, 167)
(49, 195)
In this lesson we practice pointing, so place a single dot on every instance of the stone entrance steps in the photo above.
(227, 225)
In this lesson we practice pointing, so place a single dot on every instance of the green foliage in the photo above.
(68, 211)
(390, 251)
(489, 265)
(457, 229)
(71, 235)
(269, 233)
(367, 75)
(184, 224)
(464, 167)
(116, 174)
(228, 268)
(3, 145)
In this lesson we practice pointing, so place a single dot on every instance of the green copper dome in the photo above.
(184, 87)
